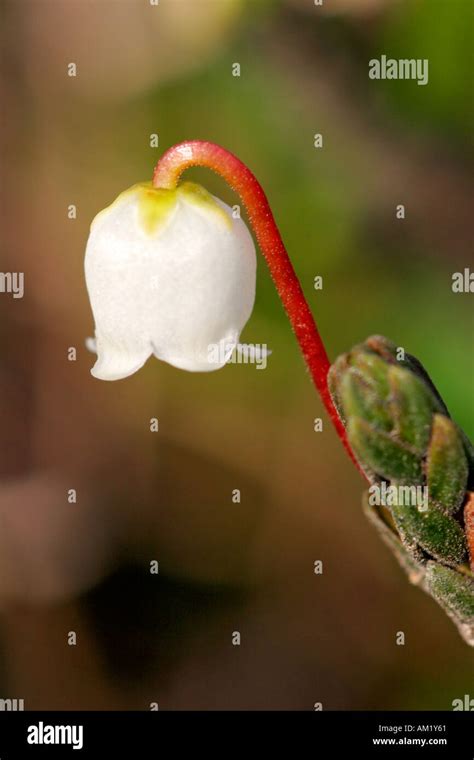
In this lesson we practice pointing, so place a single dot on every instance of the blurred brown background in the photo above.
(224, 567)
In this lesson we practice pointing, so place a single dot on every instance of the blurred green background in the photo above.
(226, 567)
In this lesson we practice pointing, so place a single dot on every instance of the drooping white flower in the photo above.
(169, 273)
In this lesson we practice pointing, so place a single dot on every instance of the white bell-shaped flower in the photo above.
(169, 273)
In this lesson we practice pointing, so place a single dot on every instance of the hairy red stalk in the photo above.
(469, 523)
(242, 181)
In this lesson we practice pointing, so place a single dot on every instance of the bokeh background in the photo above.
(167, 496)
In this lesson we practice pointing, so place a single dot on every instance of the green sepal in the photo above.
(446, 466)
(412, 406)
(335, 374)
(388, 351)
(452, 590)
(373, 369)
(360, 400)
(388, 458)
(436, 533)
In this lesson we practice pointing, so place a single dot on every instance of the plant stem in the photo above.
(242, 181)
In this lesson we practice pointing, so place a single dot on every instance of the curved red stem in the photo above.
(242, 181)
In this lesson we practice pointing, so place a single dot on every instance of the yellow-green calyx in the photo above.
(156, 204)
